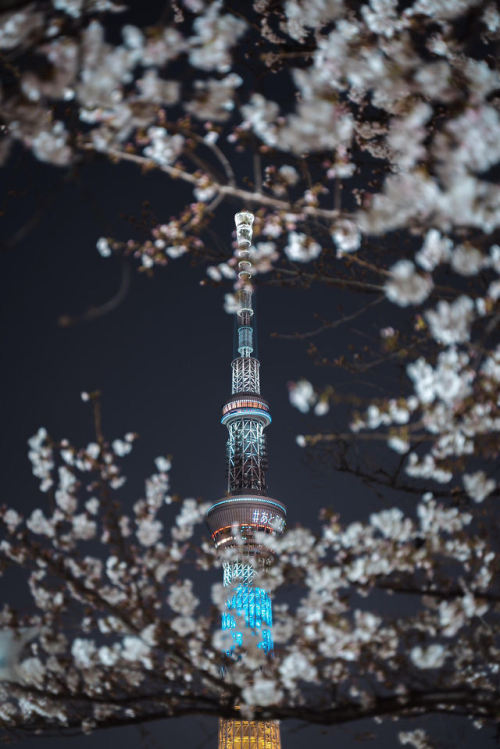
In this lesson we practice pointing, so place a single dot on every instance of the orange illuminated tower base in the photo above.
(249, 734)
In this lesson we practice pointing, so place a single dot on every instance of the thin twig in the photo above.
(92, 313)
(257, 171)
(328, 325)
(342, 283)
(245, 196)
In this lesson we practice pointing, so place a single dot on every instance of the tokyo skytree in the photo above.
(246, 511)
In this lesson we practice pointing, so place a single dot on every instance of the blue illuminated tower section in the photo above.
(246, 511)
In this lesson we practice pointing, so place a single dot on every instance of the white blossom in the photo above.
(181, 598)
(216, 33)
(302, 395)
(51, 145)
(346, 236)
(495, 257)
(435, 250)
(494, 290)
(93, 450)
(214, 99)
(491, 365)
(406, 285)
(466, 260)
(417, 739)
(92, 505)
(12, 519)
(17, 26)
(288, 174)
(450, 380)
(272, 227)
(398, 444)
(66, 501)
(163, 464)
(300, 248)
(71, 7)
(454, 614)
(230, 303)
(432, 656)
(473, 142)
(83, 652)
(135, 649)
(83, 527)
(262, 692)
(322, 407)
(427, 468)
(183, 625)
(149, 531)
(262, 256)
(491, 17)
(38, 523)
(478, 486)
(296, 667)
(108, 656)
(407, 134)
(164, 149)
(103, 247)
(191, 512)
(121, 447)
(204, 190)
(450, 322)
(12, 642)
(156, 89)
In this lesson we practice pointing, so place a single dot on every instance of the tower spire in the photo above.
(246, 510)
(245, 313)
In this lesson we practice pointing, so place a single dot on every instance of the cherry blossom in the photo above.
(435, 250)
(416, 739)
(103, 247)
(164, 148)
(430, 657)
(301, 248)
(478, 486)
(406, 285)
(346, 236)
(302, 395)
(450, 323)
(321, 635)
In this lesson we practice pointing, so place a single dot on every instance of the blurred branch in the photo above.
(328, 325)
(93, 313)
(246, 196)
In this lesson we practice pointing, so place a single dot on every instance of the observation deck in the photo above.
(246, 404)
(243, 515)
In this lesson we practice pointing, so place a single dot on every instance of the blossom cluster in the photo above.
(138, 631)
(432, 119)
(115, 631)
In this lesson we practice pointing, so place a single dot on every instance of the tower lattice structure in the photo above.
(246, 509)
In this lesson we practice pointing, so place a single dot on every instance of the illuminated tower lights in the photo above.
(246, 508)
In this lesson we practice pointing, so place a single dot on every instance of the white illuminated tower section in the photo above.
(246, 508)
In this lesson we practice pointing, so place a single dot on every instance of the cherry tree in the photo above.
(371, 133)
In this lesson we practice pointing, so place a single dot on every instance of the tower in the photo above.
(246, 508)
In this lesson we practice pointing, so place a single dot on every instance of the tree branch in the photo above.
(244, 196)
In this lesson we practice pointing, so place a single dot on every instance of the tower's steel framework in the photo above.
(246, 508)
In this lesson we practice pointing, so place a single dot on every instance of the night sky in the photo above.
(162, 362)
